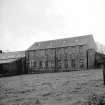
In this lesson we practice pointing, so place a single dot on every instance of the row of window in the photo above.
(58, 64)
(58, 55)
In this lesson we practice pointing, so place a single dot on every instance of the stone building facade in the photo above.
(76, 53)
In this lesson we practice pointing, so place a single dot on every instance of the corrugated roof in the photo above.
(7, 60)
(7, 57)
(87, 39)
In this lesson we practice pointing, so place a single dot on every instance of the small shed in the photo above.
(12, 63)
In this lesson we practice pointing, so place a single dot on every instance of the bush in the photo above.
(95, 99)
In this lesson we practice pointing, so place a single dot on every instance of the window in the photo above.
(59, 64)
(43, 64)
(66, 63)
(64, 56)
(31, 63)
(81, 65)
(35, 64)
(73, 63)
(46, 64)
(40, 64)
(52, 64)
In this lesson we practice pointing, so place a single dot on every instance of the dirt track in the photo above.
(67, 88)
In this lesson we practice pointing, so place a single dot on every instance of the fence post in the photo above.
(103, 67)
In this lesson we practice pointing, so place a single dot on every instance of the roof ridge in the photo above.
(64, 38)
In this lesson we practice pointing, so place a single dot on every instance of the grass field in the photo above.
(66, 88)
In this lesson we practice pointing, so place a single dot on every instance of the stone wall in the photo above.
(59, 59)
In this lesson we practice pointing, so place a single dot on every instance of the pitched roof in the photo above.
(7, 60)
(7, 57)
(87, 39)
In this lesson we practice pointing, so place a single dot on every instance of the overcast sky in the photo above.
(23, 22)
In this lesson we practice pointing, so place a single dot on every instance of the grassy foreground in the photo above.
(66, 88)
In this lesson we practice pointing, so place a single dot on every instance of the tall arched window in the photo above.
(66, 63)
(73, 63)
(46, 64)
(40, 64)
(35, 64)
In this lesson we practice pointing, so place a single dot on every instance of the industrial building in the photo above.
(68, 54)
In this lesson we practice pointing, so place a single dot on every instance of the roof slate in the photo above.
(86, 39)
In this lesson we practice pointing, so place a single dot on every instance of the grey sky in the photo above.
(22, 22)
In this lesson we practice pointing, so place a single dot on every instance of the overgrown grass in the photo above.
(96, 99)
